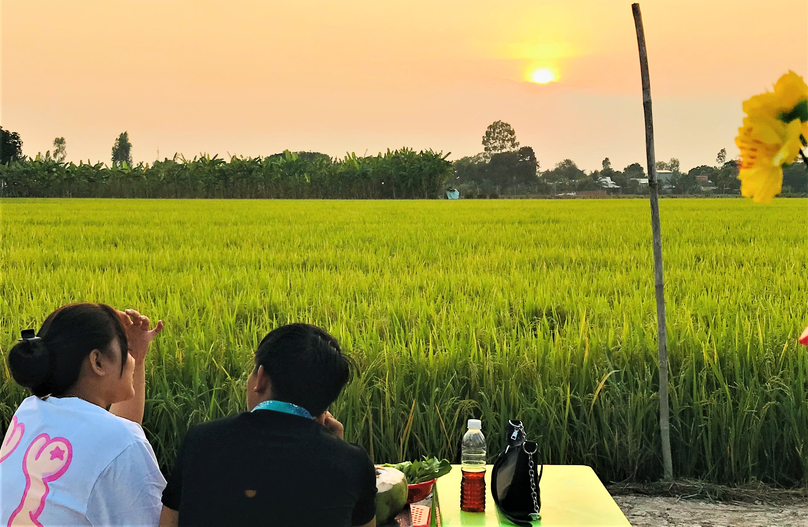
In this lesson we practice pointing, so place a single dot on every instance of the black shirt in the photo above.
(268, 468)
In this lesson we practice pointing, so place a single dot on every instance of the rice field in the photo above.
(538, 310)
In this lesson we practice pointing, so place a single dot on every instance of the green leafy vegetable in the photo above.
(424, 470)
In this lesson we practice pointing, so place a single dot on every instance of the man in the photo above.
(284, 462)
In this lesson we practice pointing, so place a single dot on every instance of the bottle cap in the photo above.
(475, 424)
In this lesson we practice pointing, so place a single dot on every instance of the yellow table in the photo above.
(571, 496)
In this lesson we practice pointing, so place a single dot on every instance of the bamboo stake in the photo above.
(653, 187)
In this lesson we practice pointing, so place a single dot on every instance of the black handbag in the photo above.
(515, 479)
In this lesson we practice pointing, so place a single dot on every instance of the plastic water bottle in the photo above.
(472, 486)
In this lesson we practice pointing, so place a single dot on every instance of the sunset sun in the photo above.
(543, 76)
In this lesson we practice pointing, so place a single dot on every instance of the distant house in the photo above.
(610, 186)
(705, 184)
(606, 182)
(664, 179)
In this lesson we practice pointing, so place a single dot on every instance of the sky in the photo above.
(255, 77)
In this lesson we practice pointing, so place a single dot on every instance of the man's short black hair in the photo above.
(305, 366)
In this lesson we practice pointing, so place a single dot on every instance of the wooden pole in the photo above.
(653, 187)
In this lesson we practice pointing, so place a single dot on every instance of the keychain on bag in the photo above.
(515, 480)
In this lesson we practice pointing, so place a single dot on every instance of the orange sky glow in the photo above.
(255, 77)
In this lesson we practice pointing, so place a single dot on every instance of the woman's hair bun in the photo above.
(29, 362)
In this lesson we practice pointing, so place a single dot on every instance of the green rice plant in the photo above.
(536, 310)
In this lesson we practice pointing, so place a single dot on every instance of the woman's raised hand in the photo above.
(138, 333)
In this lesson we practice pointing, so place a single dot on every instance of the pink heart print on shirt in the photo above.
(13, 437)
(45, 461)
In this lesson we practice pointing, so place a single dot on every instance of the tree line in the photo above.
(402, 173)
(396, 174)
(503, 168)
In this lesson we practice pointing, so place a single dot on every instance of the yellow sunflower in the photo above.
(771, 136)
(790, 93)
(766, 144)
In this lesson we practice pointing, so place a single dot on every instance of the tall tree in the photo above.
(527, 166)
(565, 170)
(634, 171)
(627, 179)
(10, 146)
(726, 178)
(469, 169)
(674, 165)
(686, 183)
(721, 158)
(606, 171)
(795, 177)
(122, 150)
(59, 149)
(499, 137)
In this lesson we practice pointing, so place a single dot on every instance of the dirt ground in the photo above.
(655, 511)
(693, 504)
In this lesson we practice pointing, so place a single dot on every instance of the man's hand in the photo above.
(138, 333)
(334, 426)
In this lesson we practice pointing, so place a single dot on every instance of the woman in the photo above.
(66, 459)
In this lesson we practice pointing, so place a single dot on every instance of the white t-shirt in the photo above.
(65, 461)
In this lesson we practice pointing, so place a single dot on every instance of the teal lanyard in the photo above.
(283, 407)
